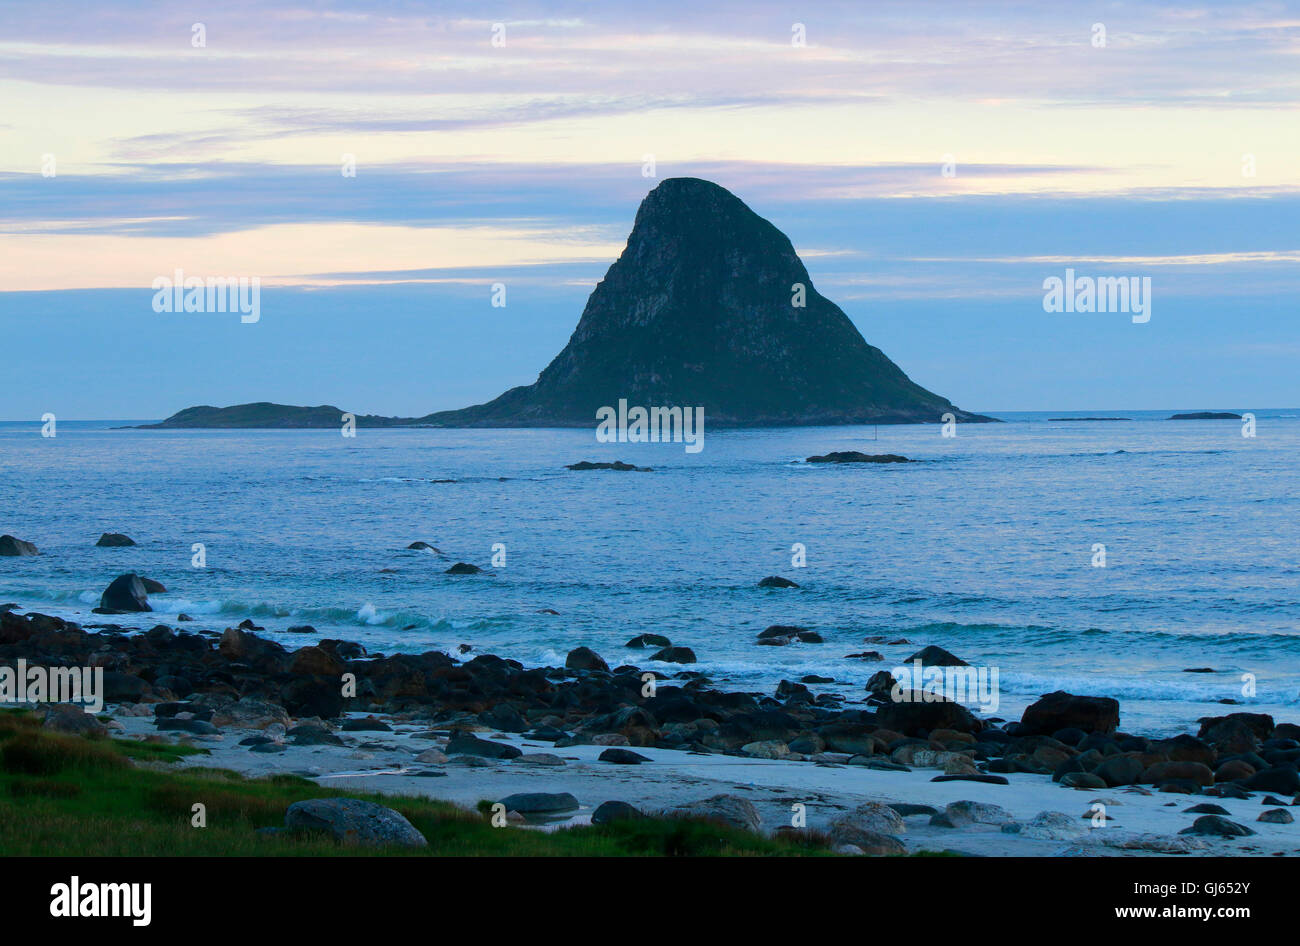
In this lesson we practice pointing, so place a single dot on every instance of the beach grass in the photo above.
(72, 795)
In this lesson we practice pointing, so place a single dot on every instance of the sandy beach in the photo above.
(1144, 823)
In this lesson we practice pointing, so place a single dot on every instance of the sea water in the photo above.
(988, 546)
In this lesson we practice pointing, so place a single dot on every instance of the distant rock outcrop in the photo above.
(1207, 415)
(854, 456)
(265, 415)
(709, 305)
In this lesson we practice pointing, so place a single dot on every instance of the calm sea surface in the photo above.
(985, 547)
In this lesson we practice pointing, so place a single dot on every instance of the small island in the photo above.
(853, 456)
(1207, 415)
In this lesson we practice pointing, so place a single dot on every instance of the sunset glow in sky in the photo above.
(1171, 151)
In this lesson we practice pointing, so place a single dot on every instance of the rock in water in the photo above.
(12, 546)
(584, 658)
(854, 456)
(463, 568)
(125, 593)
(353, 821)
(114, 540)
(703, 309)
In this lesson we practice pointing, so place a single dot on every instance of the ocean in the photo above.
(987, 547)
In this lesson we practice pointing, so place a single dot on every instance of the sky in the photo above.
(933, 164)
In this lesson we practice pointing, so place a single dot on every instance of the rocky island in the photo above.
(708, 306)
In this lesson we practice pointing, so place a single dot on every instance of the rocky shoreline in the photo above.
(483, 711)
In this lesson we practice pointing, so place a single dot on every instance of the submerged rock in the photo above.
(114, 540)
(776, 581)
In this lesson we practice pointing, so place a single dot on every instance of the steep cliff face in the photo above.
(699, 311)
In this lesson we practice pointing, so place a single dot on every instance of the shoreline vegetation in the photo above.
(485, 735)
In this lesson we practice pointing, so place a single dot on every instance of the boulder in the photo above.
(675, 655)
(355, 822)
(919, 712)
(730, 810)
(315, 661)
(1047, 826)
(125, 593)
(1195, 772)
(1276, 816)
(9, 545)
(1260, 724)
(1061, 710)
(610, 811)
(649, 640)
(68, 718)
(114, 540)
(465, 744)
(1120, 770)
(870, 818)
(961, 813)
(776, 581)
(933, 656)
(540, 803)
(584, 658)
(1219, 826)
(1283, 779)
(622, 757)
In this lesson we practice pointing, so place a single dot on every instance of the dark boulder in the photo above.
(114, 540)
(125, 593)
(933, 656)
(463, 568)
(1218, 826)
(611, 811)
(1283, 779)
(918, 712)
(776, 581)
(13, 546)
(1061, 710)
(649, 640)
(465, 744)
(622, 757)
(540, 803)
(584, 658)
(675, 655)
